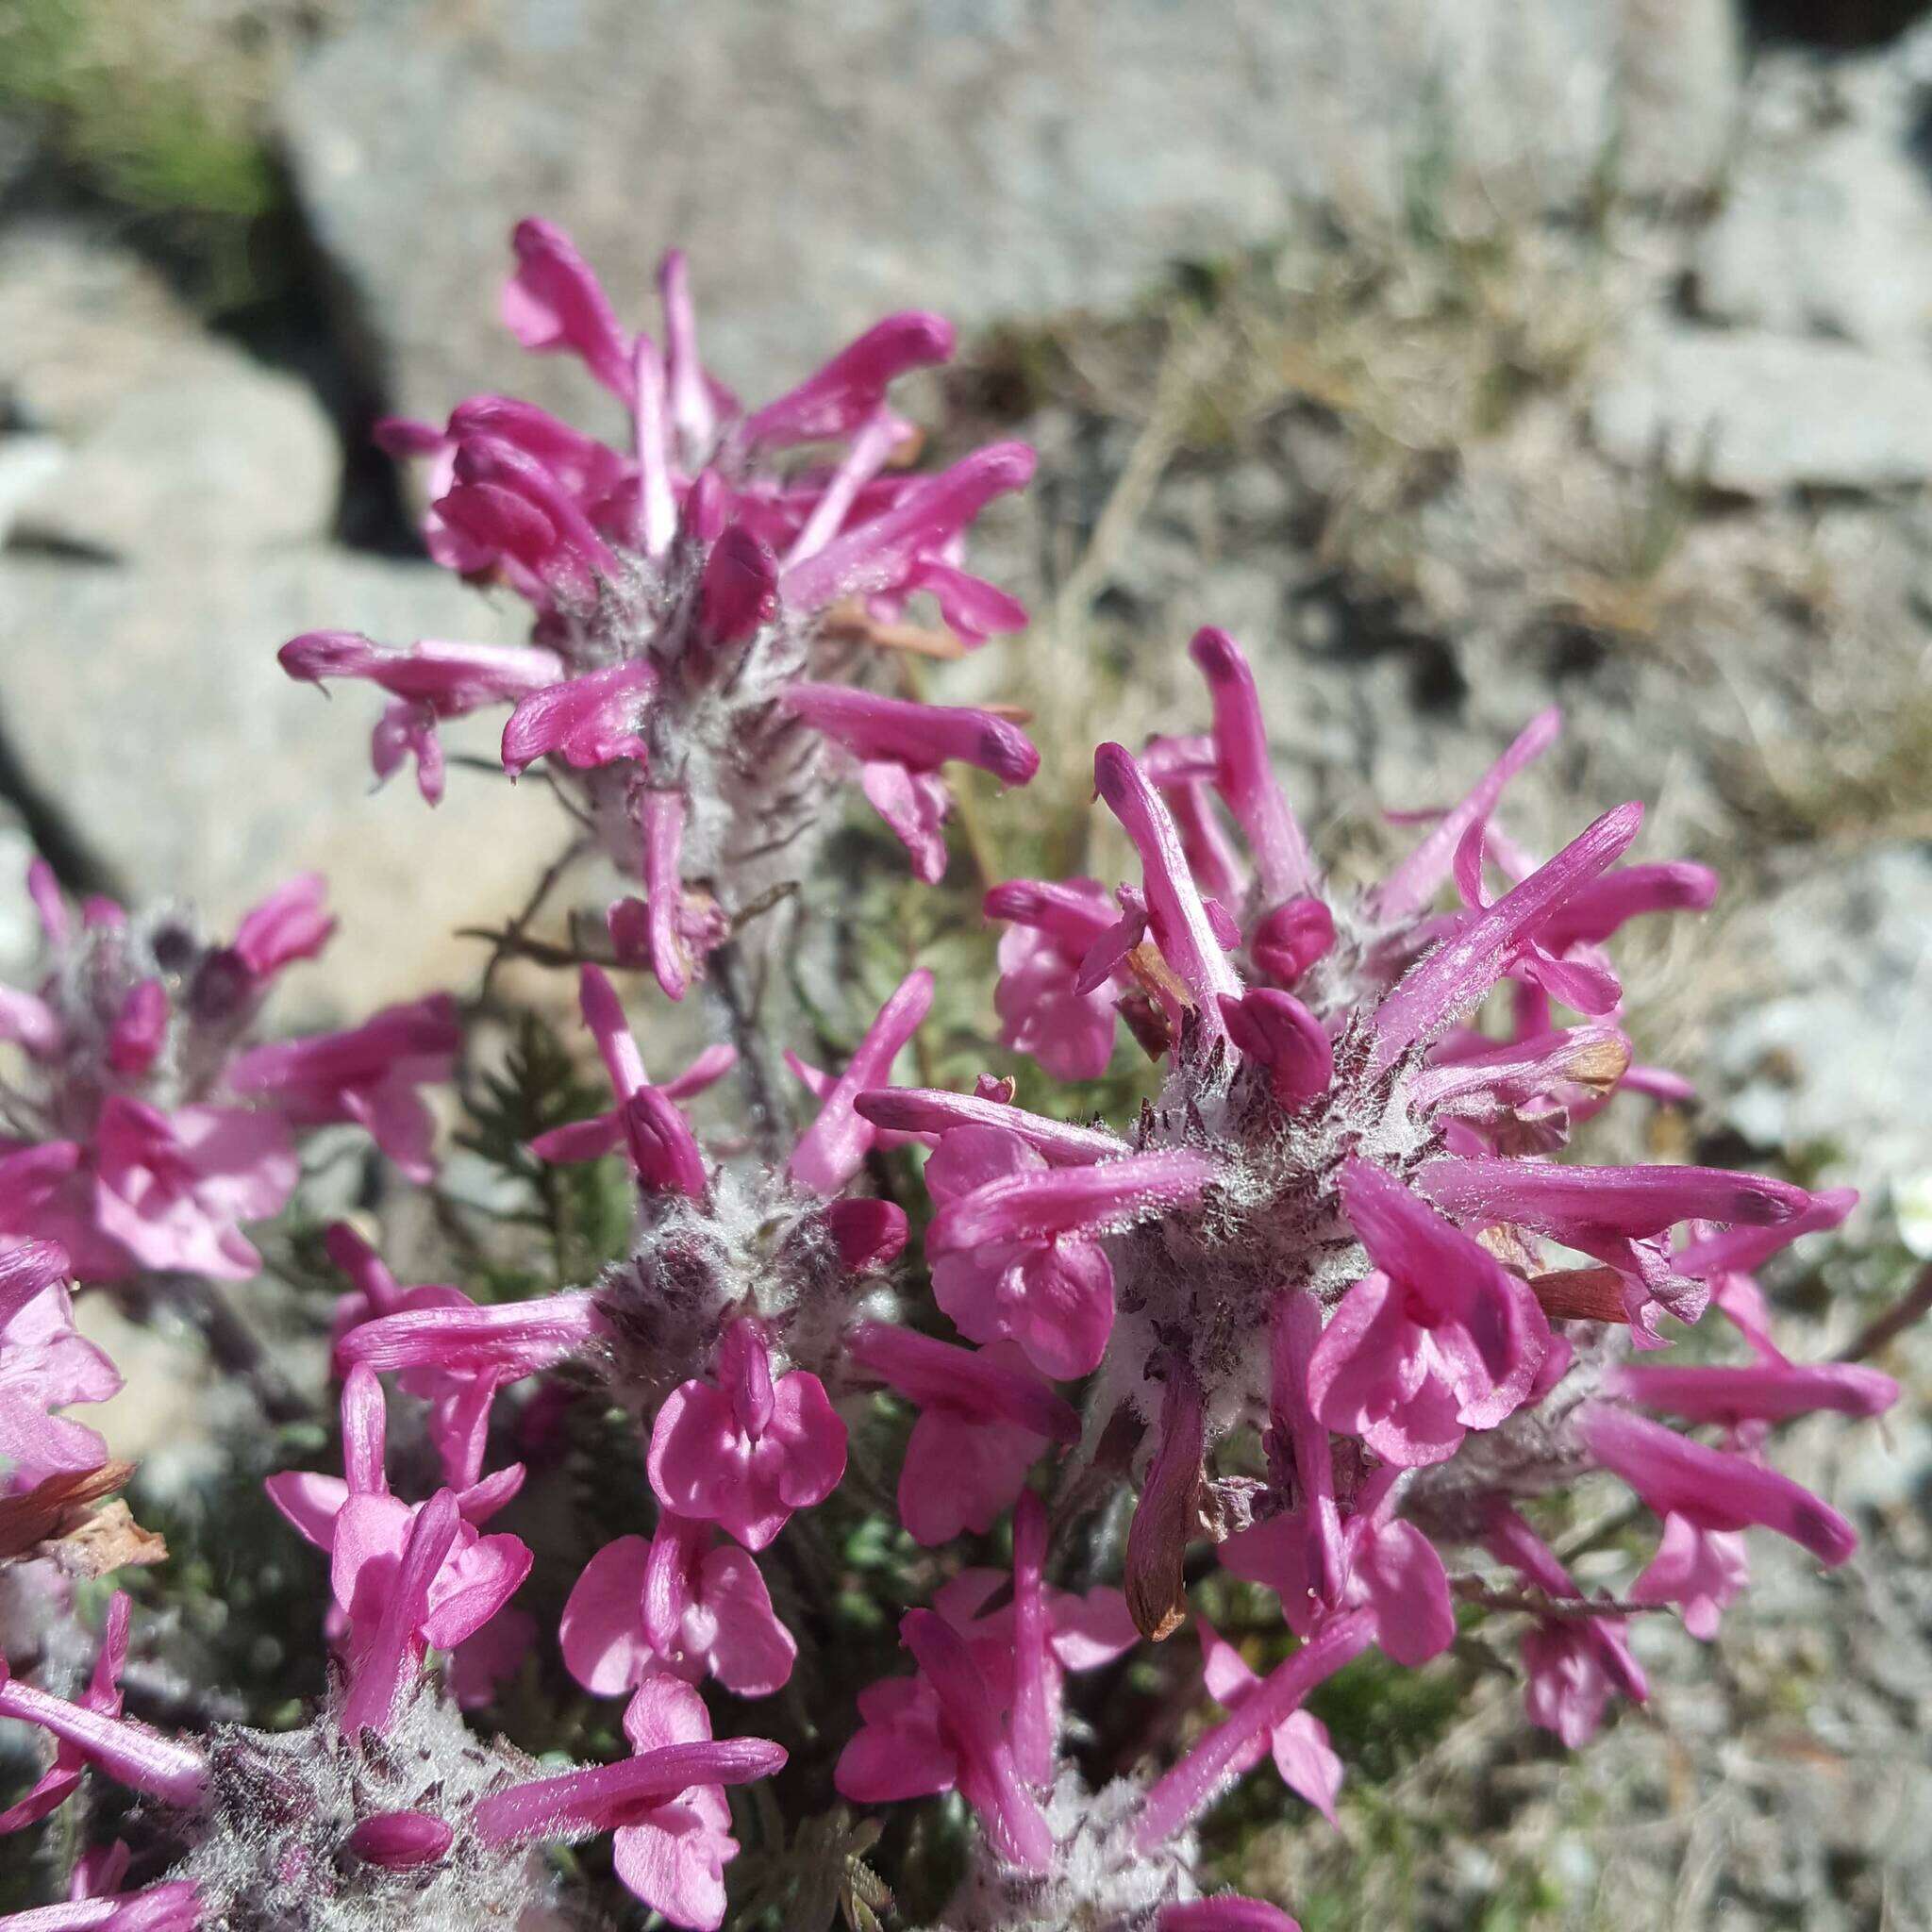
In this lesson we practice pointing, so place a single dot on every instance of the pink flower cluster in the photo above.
(699, 603)
(1332, 1230)
(1336, 1302)
(144, 1132)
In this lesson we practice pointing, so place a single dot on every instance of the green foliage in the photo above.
(801, 1881)
(581, 1211)
(153, 121)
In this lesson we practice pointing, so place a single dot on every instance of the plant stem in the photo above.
(729, 979)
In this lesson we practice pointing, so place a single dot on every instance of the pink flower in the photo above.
(555, 303)
(1243, 773)
(747, 1449)
(173, 1906)
(460, 1396)
(901, 745)
(429, 682)
(44, 1365)
(1178, 919)
(939, 1731)
(928, 1113)
(92, 1732)
(1388, 1570)
(61, 1778)
(686, 586)
(1615, 1213)
(1576, 1664)
(1213, 1763)
(1299, 1742)
(985, 1418)
(833, 1148)
(604, 1133)
(906, 546)
(664, 1805)
(1449, 981)
(369, 1075)
(1706, 1496)
(502, 1342)
(175, 1188)
(1014, 1247)
(403, 1577)
(291, 924)
(401, 1840)
(586, 720)
(1442, 1338)
(1043, 1012)
(1289, 939)
(678, 1604)
(1765, 1391)
(982, 1713)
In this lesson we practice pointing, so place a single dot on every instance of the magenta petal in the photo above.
(1242, 771)
(601, 1629)
(869, 1234)
(694, 1449)
(1763, 1391)
(1037, 1206)
(914, 807)
(555, 302)
(588, 721)
(931, 1110)
(1278, 1033)
(1291, 939)
(739, 589)
(831, 1150)
(1175, 913)
(805, 1421)
(1701, 1570)
(1359, 1371)
(898, 1751)
(920, 737)
(401, 1840)
(1063, 1311)
(673, 1861)
(835, 401)
(1402, 1580)
(1677, 1476)
(752, 1653)
(959, 1474)
(875, 556)
(1448, 982)
(1564, 1200)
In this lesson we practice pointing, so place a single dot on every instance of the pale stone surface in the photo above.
(1681, 72)
(823, 165)
(1826, 224)
(1756, 413)
(145, 435)
(1838, 1051)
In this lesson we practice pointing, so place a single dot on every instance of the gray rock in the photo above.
(28, 465)
(1830, 1046)
(213, 453)
(144, 703)
(826, 164)
(1758, 413)
(169, 439)
(1827, 224)
(1682, 74)
(82, 325)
